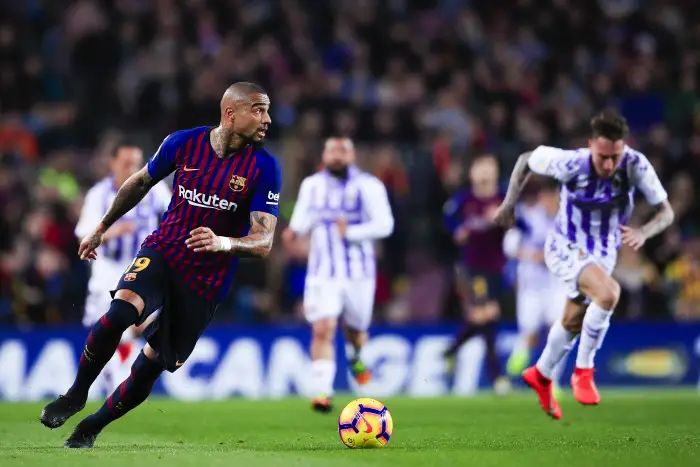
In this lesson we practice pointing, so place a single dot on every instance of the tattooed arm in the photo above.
(505, 215)
(636, 237)
(518, 179)
(128, 196)
(662, 219)
(256, 244)
(264, 208)
(644, 177)
(560, 164)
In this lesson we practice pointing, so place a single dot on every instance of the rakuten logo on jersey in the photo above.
(202, 200)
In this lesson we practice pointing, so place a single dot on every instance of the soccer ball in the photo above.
(365, 423)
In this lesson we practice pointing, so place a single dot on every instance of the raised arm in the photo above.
(545, 160)
(505, 215)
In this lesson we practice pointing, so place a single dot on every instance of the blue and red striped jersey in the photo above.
(484, 248)
(209, 191)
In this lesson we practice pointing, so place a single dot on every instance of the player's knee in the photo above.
(150, 353)
(608, 294)
(120, 316)
(131, 297)
(324, 329)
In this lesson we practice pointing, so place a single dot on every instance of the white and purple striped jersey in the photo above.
(362, 200)
(592, 209)
(529, 234)
(114, 255)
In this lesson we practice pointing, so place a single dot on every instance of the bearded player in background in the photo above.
(343, 211)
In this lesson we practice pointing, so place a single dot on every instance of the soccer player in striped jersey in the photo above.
(468, 215)
(121, 244)
(596, 200)
(540, 294)
(343, 210)
(224, 206)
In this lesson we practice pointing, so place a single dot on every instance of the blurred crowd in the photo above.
(422, 86)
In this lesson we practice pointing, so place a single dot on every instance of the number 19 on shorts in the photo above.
(136, 266)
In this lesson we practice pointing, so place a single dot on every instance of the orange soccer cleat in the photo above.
(585, 390)
(322, 404)
(544, 389)
(360, 372)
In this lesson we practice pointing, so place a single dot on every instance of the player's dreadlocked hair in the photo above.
(610, 124)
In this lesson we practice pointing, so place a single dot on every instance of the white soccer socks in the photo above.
(559, 343)
(595, 326)
(322, 377)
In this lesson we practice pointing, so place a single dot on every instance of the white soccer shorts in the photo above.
(96, 305)
(566, 261)
(540, 308)
(333, 298)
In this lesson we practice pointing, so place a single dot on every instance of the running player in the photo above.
(479, 274)
(598, 184)
(224, 206)
(120, 244)
(541, 296)
(343, 210)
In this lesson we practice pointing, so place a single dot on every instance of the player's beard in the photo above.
(339, 172)
(256, 144)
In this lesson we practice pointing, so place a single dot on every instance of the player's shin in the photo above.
(559, 343)
(323, 364)
(102, 342)
(520, 356)
(559, 369)
(356, 340)
(132, 392)
(595, 326)
(604, 292)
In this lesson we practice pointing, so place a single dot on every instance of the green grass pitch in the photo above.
(640, 429)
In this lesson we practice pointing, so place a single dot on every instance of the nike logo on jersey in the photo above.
(189, 170)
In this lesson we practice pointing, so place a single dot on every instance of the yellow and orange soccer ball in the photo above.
(365, 423)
